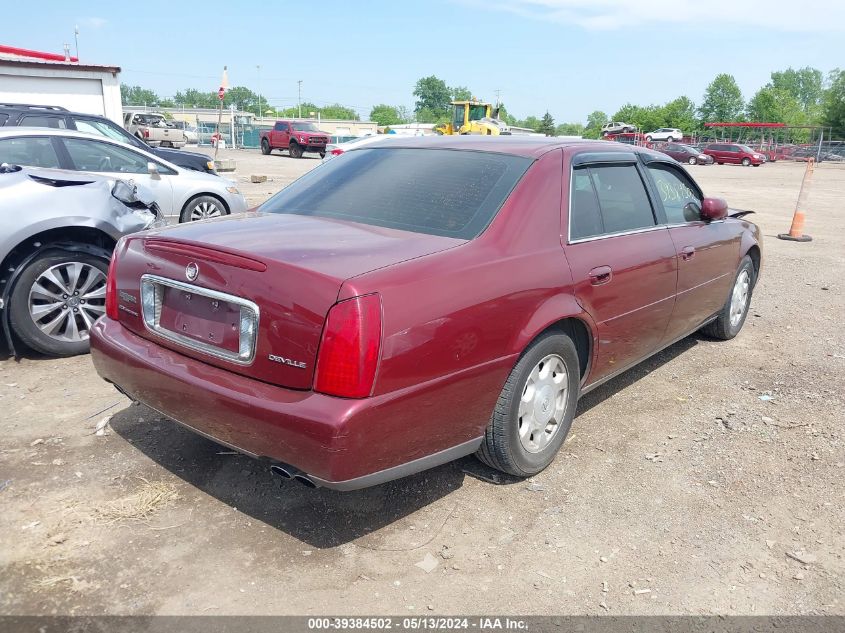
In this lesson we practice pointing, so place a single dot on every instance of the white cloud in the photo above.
(92, 22)
(777, 15)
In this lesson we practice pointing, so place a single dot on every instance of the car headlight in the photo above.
(232, 189)
(210, 165)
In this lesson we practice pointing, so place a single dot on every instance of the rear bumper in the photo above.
(339, 443)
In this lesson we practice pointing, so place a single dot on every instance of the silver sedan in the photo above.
(180, 193)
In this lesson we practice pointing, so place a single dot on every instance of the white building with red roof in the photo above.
(39, 78)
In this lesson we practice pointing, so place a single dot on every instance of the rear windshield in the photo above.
(434, 191)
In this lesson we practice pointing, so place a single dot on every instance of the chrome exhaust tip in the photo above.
(281, 471)
(305, 480)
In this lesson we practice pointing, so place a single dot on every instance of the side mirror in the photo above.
(713, 209)
(152, 169)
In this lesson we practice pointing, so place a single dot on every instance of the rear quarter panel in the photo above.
(464, 315)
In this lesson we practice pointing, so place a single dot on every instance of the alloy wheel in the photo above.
(66, 299)
(205, 209)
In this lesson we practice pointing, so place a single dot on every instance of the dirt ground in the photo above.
(706, 481)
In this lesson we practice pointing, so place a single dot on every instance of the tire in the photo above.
(526, 453)
(732, 316)
(746, 162)
(265, 147)
(720, 163)
(693, 160)
(322, 154)
(648, 138)
(294, 150)
(202, 208)
(44, 312)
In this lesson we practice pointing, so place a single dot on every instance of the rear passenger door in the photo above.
(622, 259)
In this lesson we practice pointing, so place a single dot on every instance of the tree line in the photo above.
(795, 97)
(240, 96)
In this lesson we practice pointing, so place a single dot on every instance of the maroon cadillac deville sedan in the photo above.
(412, 302)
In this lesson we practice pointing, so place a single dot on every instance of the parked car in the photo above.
(154, 129)
(57, 232)
(734, 153)
(190, 131)
(421, 299)
(57, 117)
(181, 193)
(665, 134)
(617, 127)
(685, 154)
(297, 137)
(336, 149)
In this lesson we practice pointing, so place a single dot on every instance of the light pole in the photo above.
(76, 40)
(299, 99)
(258, 68)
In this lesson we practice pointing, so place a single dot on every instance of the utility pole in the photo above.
(498, 95)
(258, 68)
(76, 40)
(299, 99)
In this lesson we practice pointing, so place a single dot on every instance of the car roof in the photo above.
(517, 145)
(8, 132)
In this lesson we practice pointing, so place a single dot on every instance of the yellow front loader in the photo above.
(474, 117)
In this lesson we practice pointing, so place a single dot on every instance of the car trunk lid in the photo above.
(251, 293)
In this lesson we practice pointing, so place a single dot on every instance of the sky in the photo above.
(569, 57)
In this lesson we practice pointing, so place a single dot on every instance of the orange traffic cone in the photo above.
(796, 231)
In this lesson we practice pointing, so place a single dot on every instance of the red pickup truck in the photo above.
(296, 137)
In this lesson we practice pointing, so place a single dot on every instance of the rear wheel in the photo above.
(535, 408)
(295, 150)
(732, 317)
(648, 138)
(56, 300)
(202, 208)
(322, 154)
(265, 147)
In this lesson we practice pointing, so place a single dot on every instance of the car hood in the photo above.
(298, 133)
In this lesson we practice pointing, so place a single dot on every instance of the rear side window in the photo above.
(33, 151)
(434, 191)
(608, 199)
(37, 120)
(3, 118)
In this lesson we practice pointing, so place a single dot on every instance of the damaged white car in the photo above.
(57, 232)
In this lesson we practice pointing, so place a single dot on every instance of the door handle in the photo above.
(600, 275)
(687, 253)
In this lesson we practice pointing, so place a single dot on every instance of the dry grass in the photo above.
(138, 506)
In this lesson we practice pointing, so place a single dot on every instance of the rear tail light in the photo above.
(111, 288)
(349, 349)
(146, 134)
(337, 151)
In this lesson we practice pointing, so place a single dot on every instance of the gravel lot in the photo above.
(707, 480)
